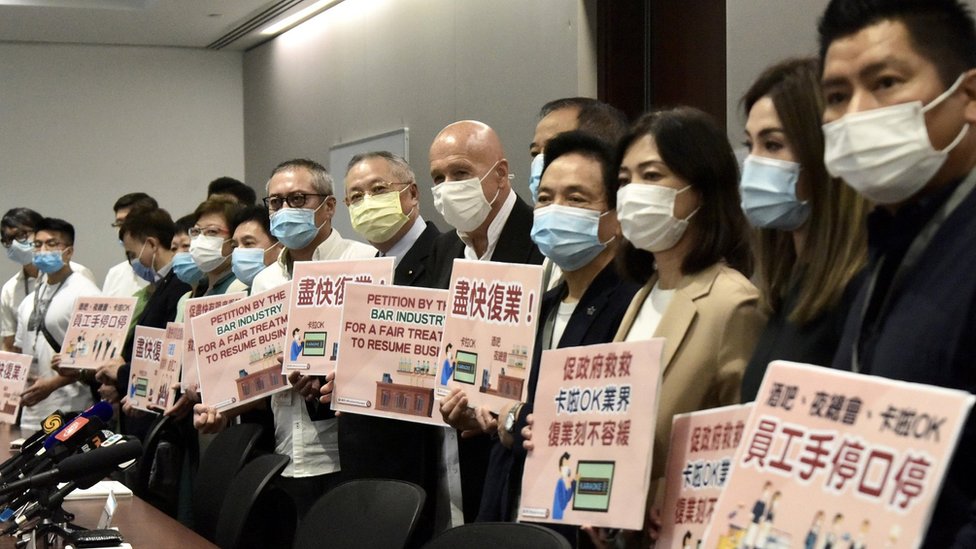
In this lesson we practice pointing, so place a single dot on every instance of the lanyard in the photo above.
(912, 256)
(37, 317)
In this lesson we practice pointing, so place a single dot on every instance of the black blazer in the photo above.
(595, 320)
(514, 246)
(412, 269)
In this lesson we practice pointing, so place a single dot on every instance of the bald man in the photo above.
(473, 192)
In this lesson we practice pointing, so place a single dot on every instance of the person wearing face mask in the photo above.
(43, 318)
(254, 247)
(17, 226)
(301, 203)
(899, 83)
(211, 245)
(811, 237)
(473, 193)
(183, 265)
(687, 241)
(575, 225)
(121, 280)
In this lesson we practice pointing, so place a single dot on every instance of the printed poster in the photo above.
(489, 335)
(190, 376)
(318, 291)
(594, 415)
(97, 331)
(238, 347)
(164, 373)
(699, 465)
(14, 368)
(838, 459)
(147, 352)
(390, 339)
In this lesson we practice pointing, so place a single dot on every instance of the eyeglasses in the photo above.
(376, 188)
(294, 200)
(117, 225)
(52, 244)
(21, 235)
(211, 230)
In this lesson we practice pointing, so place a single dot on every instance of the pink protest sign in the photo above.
(164, 373)
(147, 353)
(190, 375)
(14, 368)
(239, 348)
(832, 458)
(97, 331)
(699, 465)
(390, 339)
(318, 291)
(489, 335)
(594, 414)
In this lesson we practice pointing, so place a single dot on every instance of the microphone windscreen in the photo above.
(100, 460)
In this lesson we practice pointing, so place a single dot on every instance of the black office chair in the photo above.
(223, 459)
(499, 535)
(362, 514)
(256, 514)
(139, 478)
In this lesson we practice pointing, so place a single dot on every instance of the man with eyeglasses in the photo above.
(42, 320)
(121, 280)
(18, 226)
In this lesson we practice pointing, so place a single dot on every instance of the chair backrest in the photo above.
(362, 514)
(223, 459)
(244, 518)
(143, 472)
(495, 535)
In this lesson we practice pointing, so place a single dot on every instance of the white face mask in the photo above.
(462, 203)
(646, 214)
(885, 154)
(206, 252)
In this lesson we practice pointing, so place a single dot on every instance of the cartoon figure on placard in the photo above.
(297, 344)
(758, 512)
(766, 525)
(686, 540)
(834, 536)
(448, 370)
(860, 542)
(565, 487)
(813, 535)
(893, 536)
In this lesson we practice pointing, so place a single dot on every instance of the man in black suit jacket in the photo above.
(373, 447)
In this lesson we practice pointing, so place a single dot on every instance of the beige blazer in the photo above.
(710, 329)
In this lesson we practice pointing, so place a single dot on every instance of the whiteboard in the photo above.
(395, 141)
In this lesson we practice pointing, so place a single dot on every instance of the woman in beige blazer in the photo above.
(687, 241)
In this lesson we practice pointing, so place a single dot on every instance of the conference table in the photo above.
(141, 524)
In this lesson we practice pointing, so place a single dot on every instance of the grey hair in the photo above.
(398, 165)
(321, 180)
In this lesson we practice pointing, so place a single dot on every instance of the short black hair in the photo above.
(55, 225)
(258, 214)
(588, 146)
(141, 223)
(942, 31)
(593, 116)
(228, 185)
(135, 200)
(21, 218)
(185, 223)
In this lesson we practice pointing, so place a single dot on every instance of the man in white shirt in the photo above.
(42, 320)
(301, 203)
(18, 239)
(121, 280)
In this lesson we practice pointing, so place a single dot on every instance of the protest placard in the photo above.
(147, 353)
(14, 368)
(97, 331)
(190, 375)
(163, 374)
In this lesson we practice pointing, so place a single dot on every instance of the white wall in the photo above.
(82, 125)
(366, 67)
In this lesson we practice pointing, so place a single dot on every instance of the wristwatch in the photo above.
(512, 418)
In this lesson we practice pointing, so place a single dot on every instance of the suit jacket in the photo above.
(710, 328)
(514, 246)
(412, 269)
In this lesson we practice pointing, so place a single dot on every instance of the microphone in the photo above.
(102, 410)
(50, 424)
(100, 461)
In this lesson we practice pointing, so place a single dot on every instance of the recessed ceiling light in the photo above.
(298, 17)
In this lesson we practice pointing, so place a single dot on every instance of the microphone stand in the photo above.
(50, 522)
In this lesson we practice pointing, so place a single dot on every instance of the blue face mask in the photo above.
(247, 263)
(568, 236)
(49, 262)
(21, 253)
(769, 194)
(146, 273)
(186, 269)
(295, 227)
(535, 176)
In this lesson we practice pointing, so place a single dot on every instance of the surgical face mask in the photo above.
(568, 236)
(646, 214)
(295, 228)
(247, 263)
(21, 253)
(146, 273)
(49, 262)
(885, 154)
(378, 217)
(567, 471)
(186, 269)
(535, 176)
(769, 194)
(206, 252)
(462, 203)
